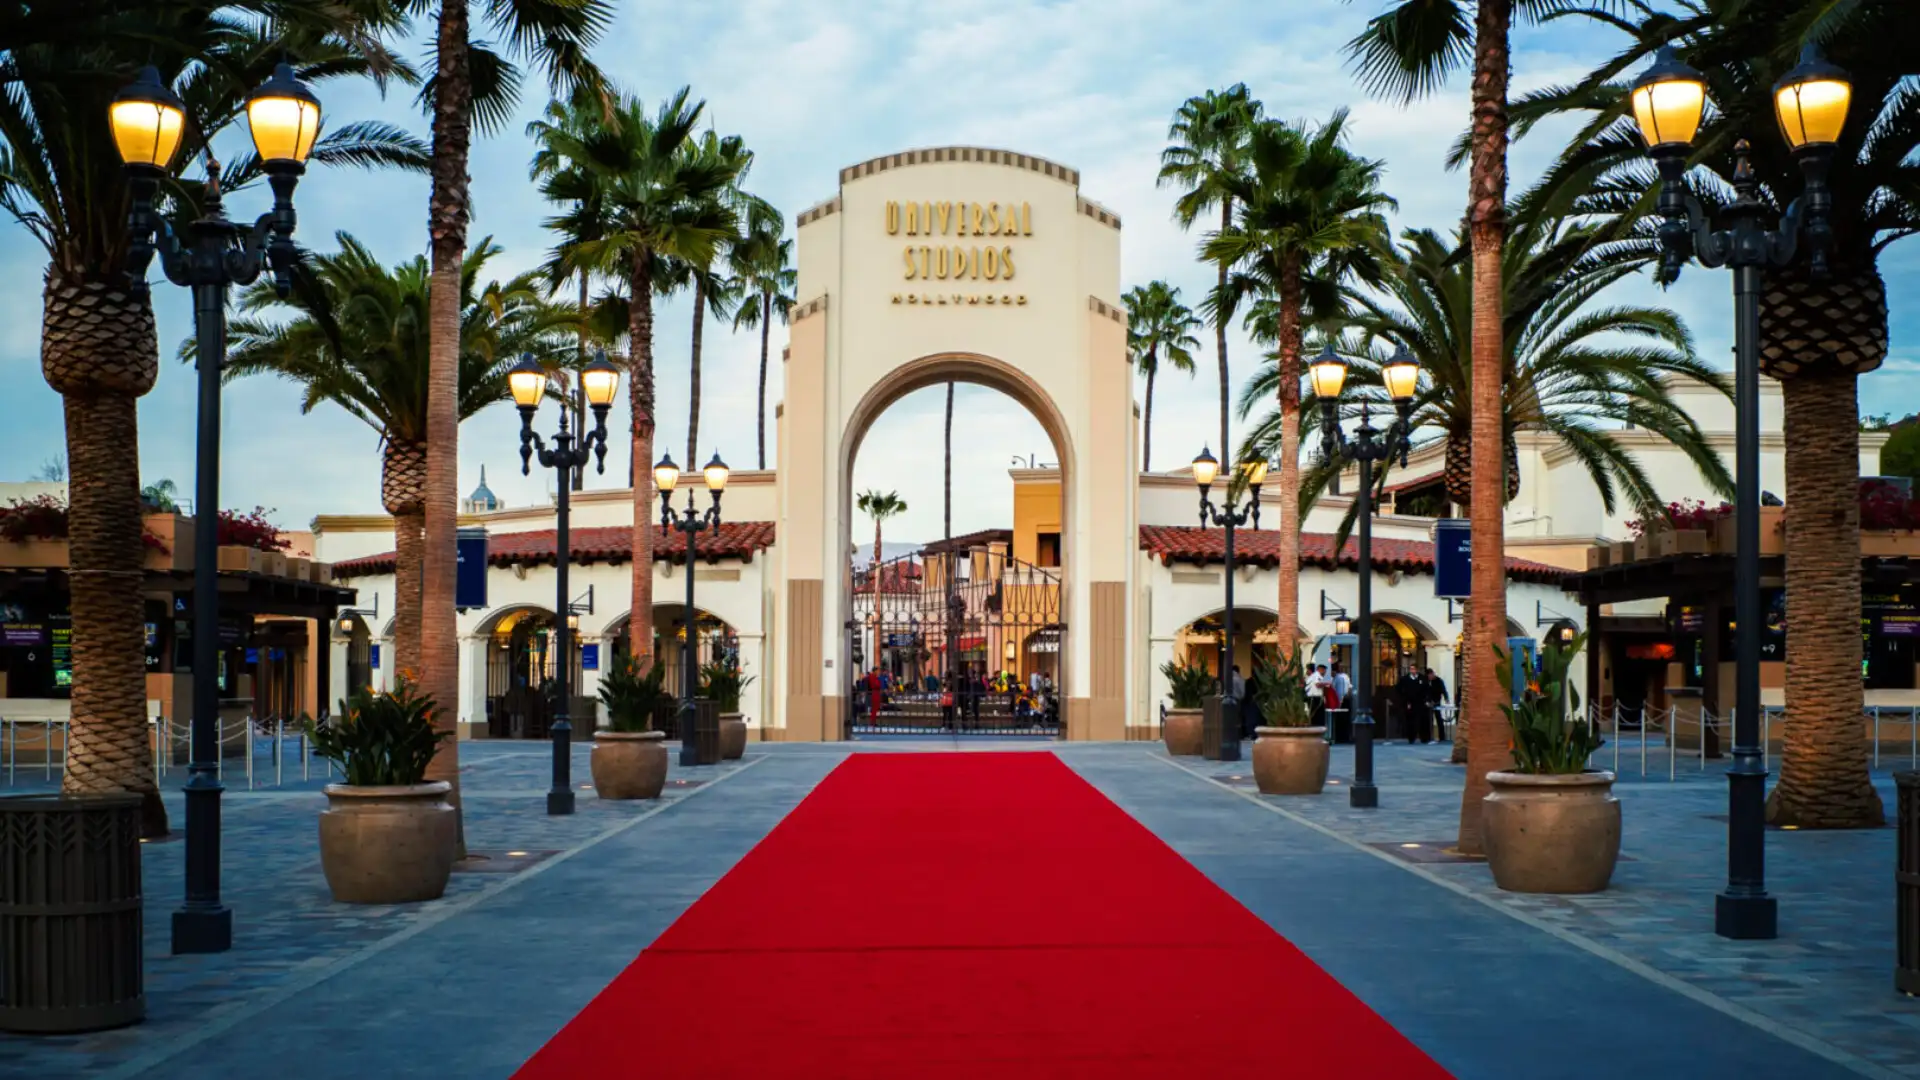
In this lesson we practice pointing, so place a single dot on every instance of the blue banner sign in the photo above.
(470, 569)
(373, 657)
(1453, 558)
(590, 657)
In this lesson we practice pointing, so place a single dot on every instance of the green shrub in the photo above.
(1187, 684)
(631, 697)
(1549, 736)
(1281, 689)
(723, 682)
(379, 740)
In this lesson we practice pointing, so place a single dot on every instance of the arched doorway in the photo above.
(714, 639)
(1050, 335)
(958, 642)
(1399, 648)
(522, 656)
(359, 666)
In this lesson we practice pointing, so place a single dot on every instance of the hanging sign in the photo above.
(373, 657)
(590, 657)
(1453, 558)
(470, 568)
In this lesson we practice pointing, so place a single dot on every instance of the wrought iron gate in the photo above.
(955, 643)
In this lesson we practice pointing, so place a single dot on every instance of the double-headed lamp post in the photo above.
(149, 123)
(528, 383)
(1811, 106)
(1328, 374)
(1229, 516)
(666, 477)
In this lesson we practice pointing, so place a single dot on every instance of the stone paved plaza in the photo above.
(1628, 983)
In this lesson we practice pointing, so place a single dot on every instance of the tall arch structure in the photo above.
(969, 265)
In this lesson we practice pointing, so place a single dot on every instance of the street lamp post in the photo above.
(666, 477)
(148, 122)
(528, 384)
(1402, 376)
(1811, 106)
(1229, 516)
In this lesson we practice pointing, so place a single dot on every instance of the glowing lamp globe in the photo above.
(148, 121)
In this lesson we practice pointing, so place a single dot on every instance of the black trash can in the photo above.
(1906, 918)
(70, 911)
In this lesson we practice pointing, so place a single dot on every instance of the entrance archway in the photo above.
(1040, 322)
(522, 660)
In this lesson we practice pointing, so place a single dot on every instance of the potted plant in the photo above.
(630, 758)
(1551, 824)
(1187, 688)
(722, 682)
(1289, 755)
(387, 836)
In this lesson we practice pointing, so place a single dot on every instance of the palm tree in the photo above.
(1158, 324)
(719, 293)
(1572, 369)
(764, 263)
(1208, 153)
(1309, 215)
(359, 339)
(657, 204)
(880, 506)
(472, 84)
(1817, 335)
(60, 177)
(1407, 52)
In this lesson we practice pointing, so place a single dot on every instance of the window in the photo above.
(1047, 553)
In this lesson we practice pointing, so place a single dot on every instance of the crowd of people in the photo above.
(1030, 700)
(1417, 697)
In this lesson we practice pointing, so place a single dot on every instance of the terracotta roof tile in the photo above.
(1261, 547)
(607, 543)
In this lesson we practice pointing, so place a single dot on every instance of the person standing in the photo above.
(1436, 699)
(1413, 705)
(1338, 695)
(1317, 694)
(1235, 716)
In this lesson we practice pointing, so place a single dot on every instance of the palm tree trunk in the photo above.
(98, 350)
(640, 404)
(1824, 779)
(1220, 340)
(1146, 420)
(1486, 209)
(409, 543)
(579, 386)
(947, 488)
(1288, 603)
(693, 404)
(766, 329)
(1462, 730)
(448, 213)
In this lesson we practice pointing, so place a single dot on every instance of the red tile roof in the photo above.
(608, 543)
(1261, 547)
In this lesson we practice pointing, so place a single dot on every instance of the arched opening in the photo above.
(522, 660)
(352, 629)
(714, 639)
(1397, 656)
(956, 623)
(1256, 639)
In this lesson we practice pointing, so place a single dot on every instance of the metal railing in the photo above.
(170, 739)
(1636, 744)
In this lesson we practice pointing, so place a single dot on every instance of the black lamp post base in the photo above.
(202, 930)
(559, 803)
(1746, 918)
(1363, 797)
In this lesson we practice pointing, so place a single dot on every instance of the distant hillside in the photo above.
(889, 549)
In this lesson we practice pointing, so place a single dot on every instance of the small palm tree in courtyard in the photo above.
(1159, 327)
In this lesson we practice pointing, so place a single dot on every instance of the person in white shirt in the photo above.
(1317, 694)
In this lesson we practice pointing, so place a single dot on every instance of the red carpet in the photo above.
(971, 915)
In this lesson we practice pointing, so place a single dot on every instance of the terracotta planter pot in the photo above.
(1290, 760)
(1182, 732)
(1620, 553)
(387, 845)
(629, 764)
(1551, 834)
(733, 736)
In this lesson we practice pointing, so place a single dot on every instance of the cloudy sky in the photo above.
(812, 87)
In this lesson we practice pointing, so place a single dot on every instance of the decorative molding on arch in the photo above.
(977, 154)
(1101, 307)
(815, 306)
(1097, 212)
(817, 211)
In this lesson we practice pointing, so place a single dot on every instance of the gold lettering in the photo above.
(1006, 264)
(896, 298)
(958, 299)
(1026, 219)
(1021, 299)
(979, 219)
(943, 301)
(992, 259)
(993, 219)
(946, 217)
(973, 299)
(893, 218)
(913, 299)
(940, 262)
(913, 219)
(926, 261)
(911, 272)
(990, 298)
